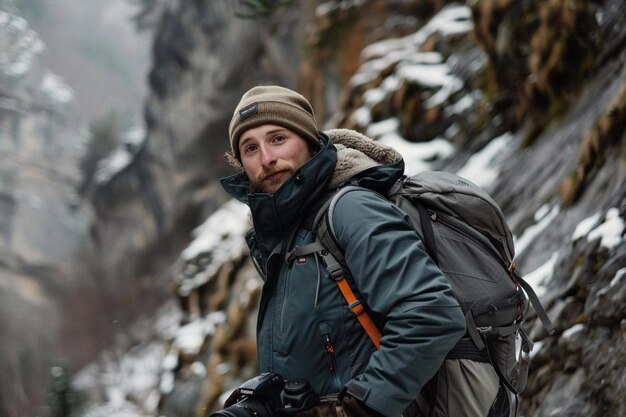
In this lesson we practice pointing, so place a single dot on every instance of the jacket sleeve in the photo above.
(400, 282)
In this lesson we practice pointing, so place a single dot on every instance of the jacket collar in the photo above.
(346, 156)
(274, 215)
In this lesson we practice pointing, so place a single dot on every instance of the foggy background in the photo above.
(95, 46)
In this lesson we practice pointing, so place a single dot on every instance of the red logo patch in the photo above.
(301, 261)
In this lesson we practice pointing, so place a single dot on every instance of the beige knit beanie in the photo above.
(272, 105)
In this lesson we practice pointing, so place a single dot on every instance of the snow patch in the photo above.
(56, 88)
(481, 168)
(621, 273)
(190, 337)
(385, 127)
(537, 347)
(219, 239)
(584, 227)
(418, 156)
(543, 218)
(407, 63)
(167, 383)
(610, 231)
(111, 165)
(615, 282)
(122, 156)
(541, 276)
(198, 369)
(573, 331)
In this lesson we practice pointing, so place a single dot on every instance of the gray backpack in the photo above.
(465, 233)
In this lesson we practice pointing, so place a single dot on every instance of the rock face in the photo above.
(40, 142)
(203, 57)
(35, 217)
(525, 98)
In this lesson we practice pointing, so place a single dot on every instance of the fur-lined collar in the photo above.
(356, 153)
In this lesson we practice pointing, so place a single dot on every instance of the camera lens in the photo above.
(245, 408)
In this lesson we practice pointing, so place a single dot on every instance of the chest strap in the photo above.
(359, 311)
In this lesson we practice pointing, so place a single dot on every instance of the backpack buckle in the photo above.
(357, 308)
(332, 266)
(485, 331)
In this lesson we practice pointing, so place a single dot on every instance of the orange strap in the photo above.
(359, 311)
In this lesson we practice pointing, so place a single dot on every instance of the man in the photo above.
(305, 328)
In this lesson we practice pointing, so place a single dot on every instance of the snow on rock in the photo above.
(425, 68)
(218, 240)
(21, 46)
(482, 168)
(121, 157)
(584, 227)
(191, 336)
(451, 20)
(22, 73)
(213, 306)
(610, 301)
(128, 384)
(391, 65)
(541, 276)
(111, 165)
(611, 231)
(537, 348)
(543, 218)
(213, 234)
(615, 282)
(325, 8)
(55, 87)
(574, 338)
(417, 156)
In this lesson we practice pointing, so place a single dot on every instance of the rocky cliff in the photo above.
(40, 227)
(528, 99)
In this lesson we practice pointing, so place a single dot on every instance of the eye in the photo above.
(279, 138)
(248, 149)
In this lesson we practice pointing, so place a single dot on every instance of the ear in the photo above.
(233, 161)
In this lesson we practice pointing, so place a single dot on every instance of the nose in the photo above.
(268, 157)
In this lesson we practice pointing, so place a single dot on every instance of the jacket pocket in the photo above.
(329, 348)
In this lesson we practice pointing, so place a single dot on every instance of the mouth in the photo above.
(275, 175)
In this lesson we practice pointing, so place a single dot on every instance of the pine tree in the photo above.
(63, 400)
(104, 137)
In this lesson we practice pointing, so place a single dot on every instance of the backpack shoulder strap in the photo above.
(328, 248)
(323, 223)
(429, 241)
(334, 259)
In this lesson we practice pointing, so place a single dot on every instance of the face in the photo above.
(270, 154)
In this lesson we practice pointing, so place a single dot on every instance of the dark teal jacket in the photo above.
(305, 328)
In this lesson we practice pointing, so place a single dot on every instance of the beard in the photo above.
(270, 185)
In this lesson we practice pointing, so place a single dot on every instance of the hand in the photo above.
(347, 407)
(355, 408)
(325, 409)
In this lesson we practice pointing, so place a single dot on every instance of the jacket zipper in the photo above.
(283, 306)
(286, 275)
(332, 362)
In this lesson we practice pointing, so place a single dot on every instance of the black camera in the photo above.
(269, 395)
